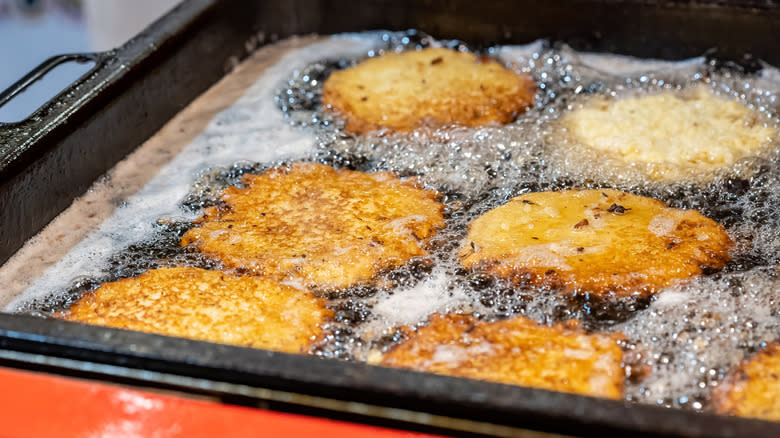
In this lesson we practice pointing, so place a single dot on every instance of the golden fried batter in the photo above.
(671, 133)
(207, 305)
(326, 228)
(515, 351)
(430, 87)
(752, 389)
(604, 242)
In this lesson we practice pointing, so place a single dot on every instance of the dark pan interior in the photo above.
(53, 157)
(461, 399)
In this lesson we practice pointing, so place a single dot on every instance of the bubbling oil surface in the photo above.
(688, 336)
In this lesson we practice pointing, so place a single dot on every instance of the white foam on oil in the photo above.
(689, 336)
(406, 306)
(741, 194)
(252, 129)
(412, 305)
(694, 333)
(630, 65)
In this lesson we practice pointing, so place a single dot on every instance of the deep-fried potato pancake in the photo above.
(515, 351)
(313, 224)
(603, 242)
(752, 389)
(207, 305)
(431, 87)
(671, 132)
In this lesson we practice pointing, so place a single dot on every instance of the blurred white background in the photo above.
(34, 30)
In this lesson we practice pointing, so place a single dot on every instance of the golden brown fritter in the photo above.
(670, 134)
(324, 228)
(431, 87)
(604, 242)
(752, 389)
(515, 351)
(207, 305)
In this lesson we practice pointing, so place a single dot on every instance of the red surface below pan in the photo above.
(39, 405)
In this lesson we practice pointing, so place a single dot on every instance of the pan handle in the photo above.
(45, 67)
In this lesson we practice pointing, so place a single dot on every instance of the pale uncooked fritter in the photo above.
(604, 242)
(515, 351)
(671, 132)
(321, 227)
(207, 305)
(430, 87)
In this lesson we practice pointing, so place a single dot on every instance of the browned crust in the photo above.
(207, 305)
(752, 388)
(431, 87)
(572, 240)
(325, 228)
(515, 351)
